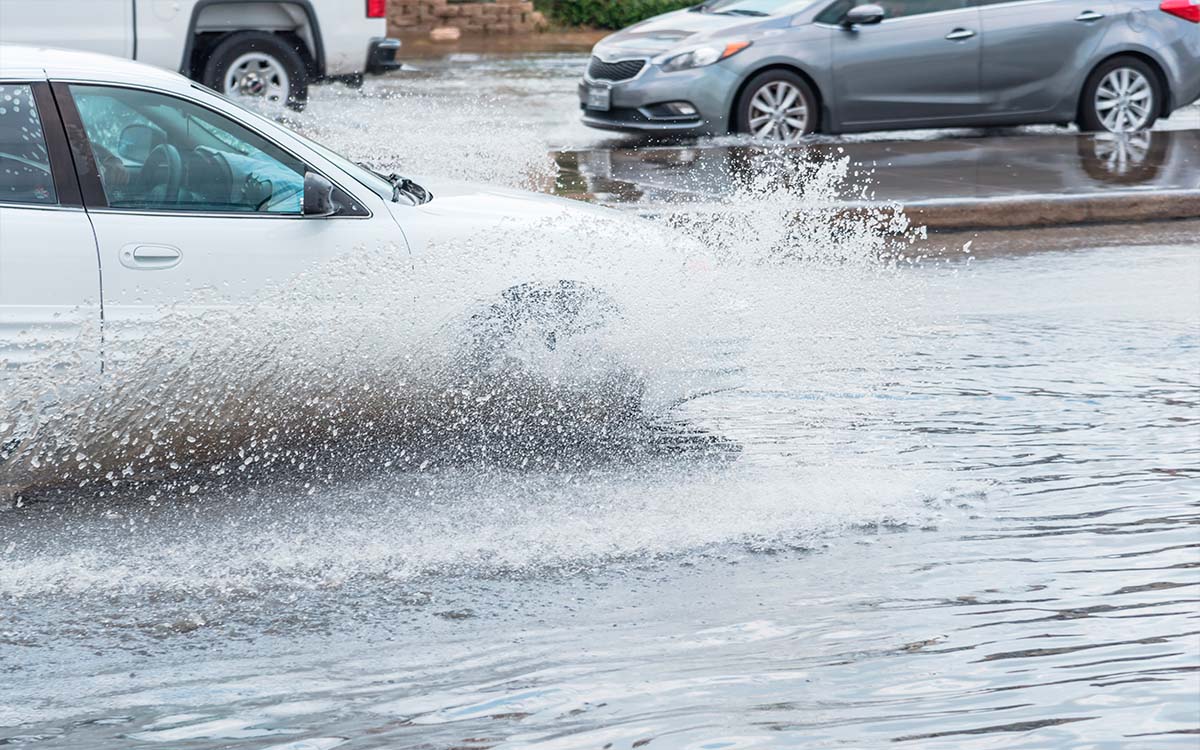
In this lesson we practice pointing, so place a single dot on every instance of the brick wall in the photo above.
(497, 17)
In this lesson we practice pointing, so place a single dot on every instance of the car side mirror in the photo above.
(136, 142)
(318, 195)
(864, 15)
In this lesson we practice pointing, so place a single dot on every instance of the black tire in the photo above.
(743, 114)
(272, 46)
(544, 313)
(1090, 119)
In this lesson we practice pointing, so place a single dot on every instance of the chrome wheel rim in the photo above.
(778, 112)
(1124, 101)
(257, 75)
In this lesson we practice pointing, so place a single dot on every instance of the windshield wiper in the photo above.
(740, 12)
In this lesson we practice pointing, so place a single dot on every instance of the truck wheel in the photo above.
(257, 65)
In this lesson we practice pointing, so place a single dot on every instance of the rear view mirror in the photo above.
(864, 15)
(318, 195)
(136, 143)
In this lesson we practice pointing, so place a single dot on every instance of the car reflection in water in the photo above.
(902, 171)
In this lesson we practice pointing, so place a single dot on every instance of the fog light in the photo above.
(670, 110)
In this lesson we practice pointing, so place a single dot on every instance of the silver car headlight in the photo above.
(700, 56)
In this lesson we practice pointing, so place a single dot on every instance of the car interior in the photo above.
(23, 157)
(155, 151)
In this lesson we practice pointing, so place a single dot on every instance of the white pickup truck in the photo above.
(269, 49)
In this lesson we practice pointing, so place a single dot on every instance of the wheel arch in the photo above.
(1165, 107)
(199, 41)
(822, 106)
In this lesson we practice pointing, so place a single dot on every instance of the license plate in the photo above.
(599, 97)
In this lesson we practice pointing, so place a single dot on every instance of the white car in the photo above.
(129, 194)
(262, 48)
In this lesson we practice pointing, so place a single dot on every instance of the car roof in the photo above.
(20, 61)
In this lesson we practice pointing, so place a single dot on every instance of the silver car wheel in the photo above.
(256, 74)
(1124, 101)
(778, 112)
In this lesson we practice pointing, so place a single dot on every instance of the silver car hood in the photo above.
(672, 30)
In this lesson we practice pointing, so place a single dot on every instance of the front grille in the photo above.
(622, 70)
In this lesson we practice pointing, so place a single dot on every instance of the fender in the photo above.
(821, 85)
(304, 5)
(1129, 47)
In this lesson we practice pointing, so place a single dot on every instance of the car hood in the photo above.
(463, 209)
(671, 30)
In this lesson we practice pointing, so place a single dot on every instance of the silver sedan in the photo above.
(781, 69)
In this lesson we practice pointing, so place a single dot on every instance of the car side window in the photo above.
(159, 152)
(892, 8)
(25, 175)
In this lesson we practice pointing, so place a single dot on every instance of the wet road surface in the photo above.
(907, 171)
(953, 503)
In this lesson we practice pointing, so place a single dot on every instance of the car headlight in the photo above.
(700, 56)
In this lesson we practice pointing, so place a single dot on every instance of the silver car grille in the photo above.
(621, 70)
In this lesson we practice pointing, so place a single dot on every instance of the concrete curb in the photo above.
(1017, 212)
(1053, 210)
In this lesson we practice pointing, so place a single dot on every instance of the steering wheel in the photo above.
(166, 158)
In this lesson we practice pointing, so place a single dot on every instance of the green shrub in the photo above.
(607, 14)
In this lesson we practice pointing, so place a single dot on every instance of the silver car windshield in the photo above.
(752, 7)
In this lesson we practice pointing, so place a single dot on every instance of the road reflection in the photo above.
(901, 171)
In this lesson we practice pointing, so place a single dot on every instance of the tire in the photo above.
(538, 316)
(789, 119)
(538, 347)
(1124, 115)
(259, 65)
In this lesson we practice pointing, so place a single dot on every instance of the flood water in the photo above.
(951, 503)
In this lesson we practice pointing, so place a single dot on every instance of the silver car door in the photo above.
(1037, 52)
(920, 66)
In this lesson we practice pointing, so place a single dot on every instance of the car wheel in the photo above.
(777, 106)
(1121, 96)
(531, 320)
(259, 66)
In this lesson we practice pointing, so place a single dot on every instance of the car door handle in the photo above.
(148, 257)
(960, 34)
(1088, 16)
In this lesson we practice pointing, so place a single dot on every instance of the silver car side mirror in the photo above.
(318, 195)
(864, 15)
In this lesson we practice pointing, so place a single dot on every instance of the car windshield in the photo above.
(749, 7)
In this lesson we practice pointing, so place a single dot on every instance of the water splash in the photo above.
(361, 371)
